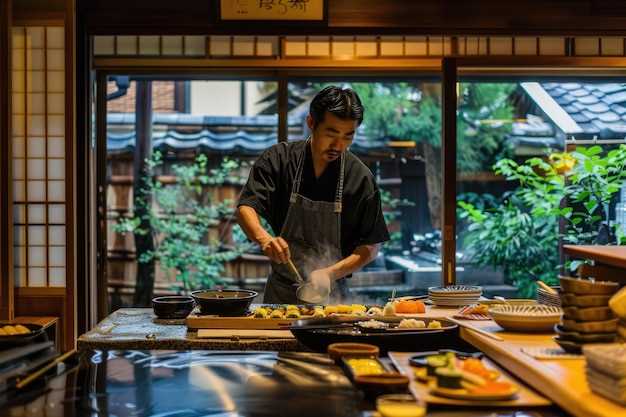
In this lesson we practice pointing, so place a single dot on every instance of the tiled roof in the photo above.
(598, 109)
(247, 139)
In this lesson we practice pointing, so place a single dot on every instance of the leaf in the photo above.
(591, 206)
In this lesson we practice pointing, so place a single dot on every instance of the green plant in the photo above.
(521, 233)
(390, 207)
(182, 218)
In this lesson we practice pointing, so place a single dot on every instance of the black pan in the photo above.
(317, 334)
(9, 341)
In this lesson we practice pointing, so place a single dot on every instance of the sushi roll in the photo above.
(344, 309)
(330, 310)
(389, 310)
(261, 313)
(277, 314)
(318, 312)
(358, 308)
(448, 377)
(375, 311)
(292, 314)
(434, 324)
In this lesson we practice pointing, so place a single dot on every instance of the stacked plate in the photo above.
(606, 370)
(454, 295)
(526, 318)
(587, 317)
(549, 298)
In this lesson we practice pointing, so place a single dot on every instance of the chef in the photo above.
(321, 202)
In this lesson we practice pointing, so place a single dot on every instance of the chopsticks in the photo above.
(295, 270)
(476, 329)
(30, 378)
(546, 287)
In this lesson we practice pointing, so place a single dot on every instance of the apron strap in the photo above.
(296, 185)
(339, 193)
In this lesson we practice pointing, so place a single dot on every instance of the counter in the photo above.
(206, 383)
(136, 328)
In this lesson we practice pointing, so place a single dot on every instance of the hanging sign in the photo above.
(311, 10)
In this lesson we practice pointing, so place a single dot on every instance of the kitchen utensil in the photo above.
(30, 378)
(547, 288)
(294, 270)
(310, 294)
(226, 302)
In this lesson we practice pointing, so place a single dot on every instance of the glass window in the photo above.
(175, 224)
(540, 163)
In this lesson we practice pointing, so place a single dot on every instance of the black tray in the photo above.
(9, 341)
(318, 333)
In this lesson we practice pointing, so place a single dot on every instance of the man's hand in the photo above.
(275, 248)
(321, 279)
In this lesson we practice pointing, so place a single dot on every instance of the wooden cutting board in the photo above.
(526, 396)
(244, 334)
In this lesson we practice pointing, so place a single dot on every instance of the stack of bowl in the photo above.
(587, 317)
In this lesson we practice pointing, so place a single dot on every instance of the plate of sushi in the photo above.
(280, 311)
(461, 376)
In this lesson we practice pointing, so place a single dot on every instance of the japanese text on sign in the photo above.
(272, 9)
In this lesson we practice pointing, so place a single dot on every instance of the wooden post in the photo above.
(6, 194)
(144, 284)
(448, 160)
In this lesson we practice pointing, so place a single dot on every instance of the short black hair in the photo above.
(342, 102)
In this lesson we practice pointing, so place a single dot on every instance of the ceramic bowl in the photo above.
(587, 287)
(173, 307)
(229, 302)
(526, 318)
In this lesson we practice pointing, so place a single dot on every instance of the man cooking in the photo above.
(320, 200)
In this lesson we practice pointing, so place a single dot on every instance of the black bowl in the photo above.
(173, 307)
(233, 302)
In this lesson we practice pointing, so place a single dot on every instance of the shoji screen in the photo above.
(38, 135)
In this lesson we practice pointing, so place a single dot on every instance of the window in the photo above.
(171, 228)
(540, 163)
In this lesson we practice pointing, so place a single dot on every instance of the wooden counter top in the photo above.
(608, 255)
(563, 380)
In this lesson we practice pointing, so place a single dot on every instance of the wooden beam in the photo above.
(71, 301)
(6, 194)
(448, 162)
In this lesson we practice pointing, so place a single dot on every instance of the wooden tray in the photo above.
(525, 397)
(236, 334)
(196, 321)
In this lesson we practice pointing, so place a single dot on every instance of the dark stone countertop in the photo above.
(144, 383)
(138, 328)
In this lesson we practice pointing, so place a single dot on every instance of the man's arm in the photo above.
(275, 248)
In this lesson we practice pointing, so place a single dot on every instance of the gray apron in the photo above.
(312, 229)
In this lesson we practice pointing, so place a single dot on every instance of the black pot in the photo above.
(173, 307)
(233, 302)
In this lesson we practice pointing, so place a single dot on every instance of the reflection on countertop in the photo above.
(191, 383)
